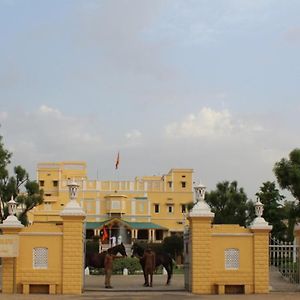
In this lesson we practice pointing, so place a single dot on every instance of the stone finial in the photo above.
(73, 208)
(199, 192)
(73, 187)
(201, 208)
(12, 221)
(259, 222)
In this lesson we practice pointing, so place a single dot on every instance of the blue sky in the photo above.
(209, 85)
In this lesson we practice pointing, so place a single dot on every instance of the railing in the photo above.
(285, 257)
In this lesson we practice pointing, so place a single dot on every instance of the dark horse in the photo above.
(161, 258)
(96, 260)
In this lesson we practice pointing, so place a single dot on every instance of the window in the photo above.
(156, 208)
(183, 208)
(142, 208)
(232, 259)
(55, 183)
(183, 184)
(48, 195)
(170, 184)
(115, 204)
(170, 209)
(42, 182)
(40, 258)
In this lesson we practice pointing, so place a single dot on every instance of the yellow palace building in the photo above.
(147, 208)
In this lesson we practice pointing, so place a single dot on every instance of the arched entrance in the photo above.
(102, 233)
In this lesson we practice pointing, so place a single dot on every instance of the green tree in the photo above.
(287, 172)
(230, 204)
(25, 192)
(291, 212)
(173, 245)
(274, 212)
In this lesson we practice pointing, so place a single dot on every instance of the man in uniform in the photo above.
(149, 259)
(108, 267)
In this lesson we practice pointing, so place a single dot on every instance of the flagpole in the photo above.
(117, 167)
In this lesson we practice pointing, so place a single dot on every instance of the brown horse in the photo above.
(96, 260)
(162, 258)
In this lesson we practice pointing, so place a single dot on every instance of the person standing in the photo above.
(108, 266)
(149, 259)
(113, 241)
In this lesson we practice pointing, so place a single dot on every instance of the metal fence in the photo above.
(285, 257)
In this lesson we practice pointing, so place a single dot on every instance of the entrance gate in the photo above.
(285, 257)
(186, 249)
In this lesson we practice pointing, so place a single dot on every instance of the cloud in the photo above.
(211, 124)
(133, 138)
(133, 134)
(44, 109)
(47, 134)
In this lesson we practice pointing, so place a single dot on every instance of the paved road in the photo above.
(152, 295)
(134, 283)
(130, 288)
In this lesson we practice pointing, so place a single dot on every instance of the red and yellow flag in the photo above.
(118, 160)
(104, 235)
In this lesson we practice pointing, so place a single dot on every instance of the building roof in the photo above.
(133, 225)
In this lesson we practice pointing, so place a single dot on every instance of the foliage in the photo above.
(291, 212)
(92, 246)
(173, 245)
(230, 204)
(287, 172)
(157, 247)
(274, 212)
(25, 192)
(132, 264)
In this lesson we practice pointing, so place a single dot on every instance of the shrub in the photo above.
(130, 263)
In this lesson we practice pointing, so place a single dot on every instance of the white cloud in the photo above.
(211, 124)
(204, 124)
(44, 109)
(133, 138)
(133, 134)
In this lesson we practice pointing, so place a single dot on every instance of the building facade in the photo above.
(147, 208)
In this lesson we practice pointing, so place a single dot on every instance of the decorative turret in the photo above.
(12, 220)
(201, 208)
(72, 207)
(259, 222)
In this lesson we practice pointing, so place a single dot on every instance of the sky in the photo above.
(211, 85)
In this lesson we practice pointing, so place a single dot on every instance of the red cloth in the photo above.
(104, 235)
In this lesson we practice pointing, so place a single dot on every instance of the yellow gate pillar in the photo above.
(11, 227)
(261, 230)
(200, 218)
(73, 244)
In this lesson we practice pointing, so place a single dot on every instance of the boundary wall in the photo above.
(225, 258)
(49, 256)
